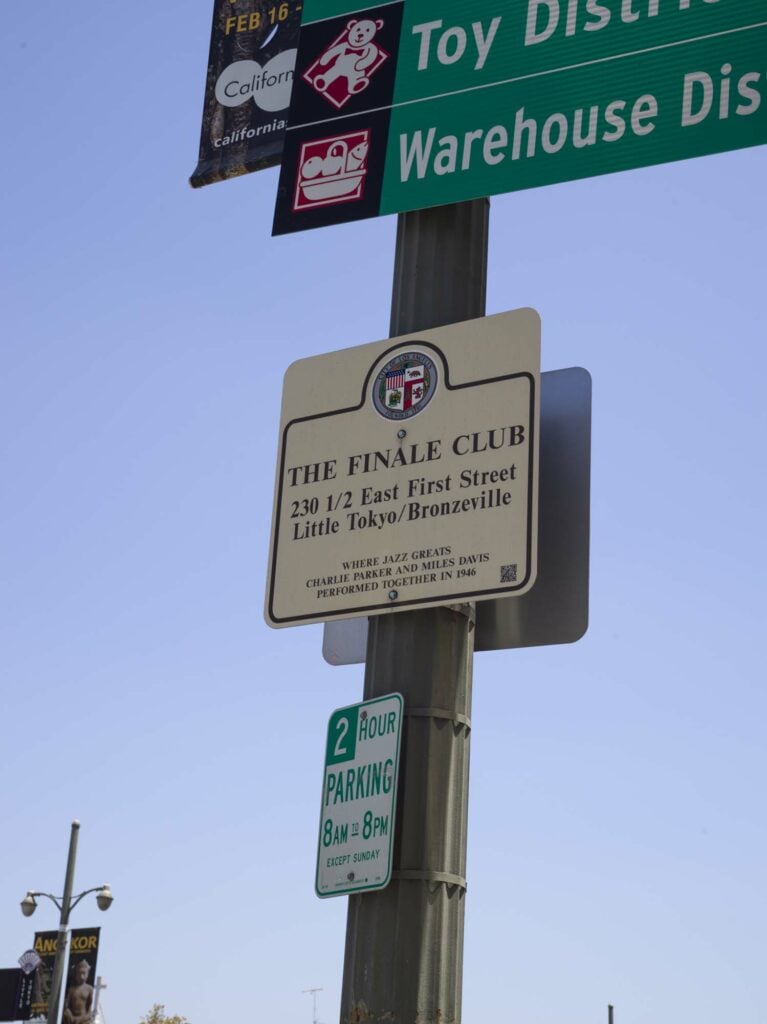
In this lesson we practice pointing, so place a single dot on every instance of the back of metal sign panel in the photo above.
(556, 610)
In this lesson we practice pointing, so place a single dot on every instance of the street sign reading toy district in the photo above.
(418, 103)
(407, 473)
(359, 796)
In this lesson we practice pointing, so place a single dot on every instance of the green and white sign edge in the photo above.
(363, 705)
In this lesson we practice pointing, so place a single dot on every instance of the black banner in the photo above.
(252, 58)
(15, 994)
(78, 978)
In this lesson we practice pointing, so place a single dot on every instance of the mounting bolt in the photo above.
(401, 434)
(393, 595)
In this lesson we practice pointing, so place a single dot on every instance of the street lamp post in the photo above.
(66, 905)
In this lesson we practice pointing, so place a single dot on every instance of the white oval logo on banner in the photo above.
(269, 87)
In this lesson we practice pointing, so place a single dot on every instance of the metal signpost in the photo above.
(359, 795)
(408, 105)
(404, 944)
(389, 411)
(408, 472)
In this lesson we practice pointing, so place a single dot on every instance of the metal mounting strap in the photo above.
(450, 716)
(431, 876)
(468, 609)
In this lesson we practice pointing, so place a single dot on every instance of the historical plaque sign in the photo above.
(407, 473)
(556, 609)
(359, 796)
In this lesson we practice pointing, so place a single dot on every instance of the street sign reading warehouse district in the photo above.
(406, 105)
(407, 474)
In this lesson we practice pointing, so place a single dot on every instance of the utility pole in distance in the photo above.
(313, 993)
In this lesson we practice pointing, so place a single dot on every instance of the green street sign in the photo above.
(359, 796)
(419, 103)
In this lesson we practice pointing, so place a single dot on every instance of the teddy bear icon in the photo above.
(347, 65)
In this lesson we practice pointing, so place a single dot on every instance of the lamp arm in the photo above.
(73, 903)
(48, 896)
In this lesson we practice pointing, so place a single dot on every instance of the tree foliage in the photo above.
(157, 1015)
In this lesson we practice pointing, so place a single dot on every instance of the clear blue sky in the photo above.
(617, 828)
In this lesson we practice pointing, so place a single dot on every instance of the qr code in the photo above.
(509, 573)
